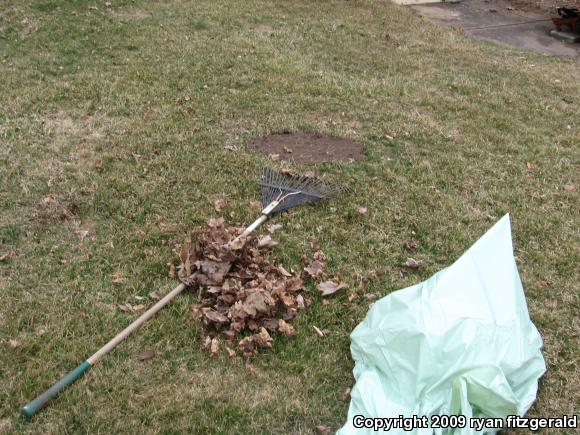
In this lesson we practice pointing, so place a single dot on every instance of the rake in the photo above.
(280, 191)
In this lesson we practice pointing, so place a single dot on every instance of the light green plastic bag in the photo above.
(460, 343)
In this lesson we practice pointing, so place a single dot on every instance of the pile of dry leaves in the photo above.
(241, 291)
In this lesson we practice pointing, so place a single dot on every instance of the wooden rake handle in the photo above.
(31, 408)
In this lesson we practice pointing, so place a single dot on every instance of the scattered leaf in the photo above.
(7, 256)
(230, 351)
(410, 246)
(362, 210)
(273, 227)
(318, 331)
(266, 242)
(274, 157)
(411, 263)
(530, 165)
(215, 346)
(256, 205)
(171, 272)
(287, 150)
(126, 308)
(13, 343)
(285, 327)
(569, 187)
(145, 355)
(155, 295)
(346, 394)
(138, 308)
(323, 430)
(315, 269)
(117, 278)
(219, 204)
(82, 234)
(328, 288)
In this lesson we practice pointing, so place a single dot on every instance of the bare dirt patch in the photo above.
(307, 147)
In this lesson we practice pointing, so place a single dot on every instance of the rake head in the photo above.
(294, 190)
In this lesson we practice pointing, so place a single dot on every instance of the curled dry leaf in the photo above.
(411, 263)
(318, 331)
(126, 308)
(410, 246)
(155, 295)
(266, 242)
(330, 287)
(145, 355)
(214, 346)
(6, 256)
(117, 278)
(285, 327)
(315, 269)
(346, 395)
(171, 272)
(273, 227)
(241, 293)
(219, 204)
(13, 343)
(323, 430)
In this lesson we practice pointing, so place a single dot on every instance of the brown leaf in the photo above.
(138, 308)
(6, 256)
(318, 331)
(215, 346)
(126, 308)
(411, 263)
(284, 272)
(145, 355)
(273, 227)
(219, 204)
(171, 272)
(285, 327)
(346, 394)
(82, 234)
(323, 430)
(13, 343)
(315, 269)
(569, 187)
(155, 295)
(287, 150)
(274, 157)
(362, 210)
(117, 278)
(230, 351)
(330, 287)
(410, 246)
(266, 242)
(263, 339)
(256, 205)
(294, 284)
(530, 165)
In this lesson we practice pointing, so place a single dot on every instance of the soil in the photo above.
(307, 147)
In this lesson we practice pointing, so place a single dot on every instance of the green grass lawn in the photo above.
(113, 128)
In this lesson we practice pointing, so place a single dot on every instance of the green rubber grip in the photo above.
(31, 408)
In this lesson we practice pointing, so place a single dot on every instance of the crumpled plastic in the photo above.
(460, 343)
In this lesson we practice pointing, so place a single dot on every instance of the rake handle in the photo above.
(31, 408)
